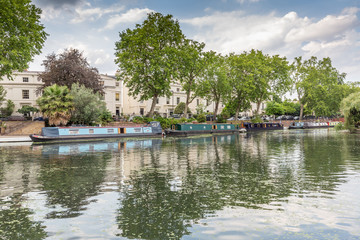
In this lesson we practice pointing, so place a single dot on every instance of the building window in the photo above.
(101, 83)
(197, 102)
(117, 96)
(25, 94)
(178, 89)
(157, 101)
(25, 79)
(177, 100)
(141, 111)
(167, 100)
(117, 84)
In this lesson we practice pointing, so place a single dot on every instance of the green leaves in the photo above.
(21, 35)
(146, 57)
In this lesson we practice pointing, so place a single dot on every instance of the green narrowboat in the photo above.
(186, 129)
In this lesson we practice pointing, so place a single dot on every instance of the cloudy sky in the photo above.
(321, 28)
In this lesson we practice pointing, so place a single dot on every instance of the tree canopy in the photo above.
(70, 67)
(21, 35)
(350, 107)
(147, 57)
(88, 106)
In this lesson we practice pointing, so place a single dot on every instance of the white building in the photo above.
(22, 91)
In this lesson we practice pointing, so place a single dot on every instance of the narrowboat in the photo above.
(305, 125)
(60, 134)
(186, 129)
(252, 127)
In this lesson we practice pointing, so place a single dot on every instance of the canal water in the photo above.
(300, 184)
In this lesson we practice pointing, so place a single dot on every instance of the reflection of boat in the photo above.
(261, 126)
(53, 134)
(303, 125)
(187, 129)
(92, 147)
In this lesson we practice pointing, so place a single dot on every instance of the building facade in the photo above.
(22, 90)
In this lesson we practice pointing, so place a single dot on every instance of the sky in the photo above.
(289, 28)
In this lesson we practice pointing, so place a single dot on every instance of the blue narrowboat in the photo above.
(186, 129)
(59, 134)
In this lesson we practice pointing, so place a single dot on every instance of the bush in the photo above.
(339, 127)
(201, 118)
(257, 119)
(221, 119)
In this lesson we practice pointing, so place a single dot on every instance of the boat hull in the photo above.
(198, 132)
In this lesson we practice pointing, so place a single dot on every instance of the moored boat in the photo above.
(305, 125)
(250, 127)
(186, 129)
(59, 134)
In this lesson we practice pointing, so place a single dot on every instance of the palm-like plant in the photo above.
(56, 104)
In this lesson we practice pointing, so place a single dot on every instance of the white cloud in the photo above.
(288, 35)
(244, 1)
(92, 14)
(131, 16)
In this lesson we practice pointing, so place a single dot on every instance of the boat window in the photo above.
(110, 130)
(91, 130)
(73, 131)
(137, 130)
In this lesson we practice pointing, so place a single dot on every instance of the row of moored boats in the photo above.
(59, 134)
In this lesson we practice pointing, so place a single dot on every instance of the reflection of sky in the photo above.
(296, 218)
(98, 221)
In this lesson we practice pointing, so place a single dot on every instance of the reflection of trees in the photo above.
(16, 223)
(70, 180)
(159, 205)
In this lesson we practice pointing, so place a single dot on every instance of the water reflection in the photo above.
(173, 188)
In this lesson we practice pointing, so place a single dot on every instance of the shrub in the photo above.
(201, 118)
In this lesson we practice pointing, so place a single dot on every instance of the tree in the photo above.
(270, 75)
(56, 103)
(319, 85)
(88, 106)
(21, 35)
(241, 82)
(191, 66)
(350, 107)
(274, 108)
(70, 67)
(27, 110)
(180, 108)
(8, 110)
(216, 81)
(147, 57)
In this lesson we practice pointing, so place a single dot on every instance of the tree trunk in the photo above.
(153, 104)
(186, 104)
(301, 110)
(216, 110)
(258, 103)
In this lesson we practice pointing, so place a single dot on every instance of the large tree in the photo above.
(70, 67)
(270, 75)
(216, 79)
(56, 104)
(88, 106)
(146, 57)
(191, 65)
(319, 85)
(21, 35)
(350, 107)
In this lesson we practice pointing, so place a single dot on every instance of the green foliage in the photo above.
(274, 108)
(191, 64)
(105, 117)
(56, 104)
(216, 82)
(221, 118)
(201, 118)
(88, 106)
(257, 119)
(21, 35)
(350, 107)
(180, 108)
(27, 110)
(68, 68)
(8, 110)
(147, 57)
(339, 127)
(2, 94)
